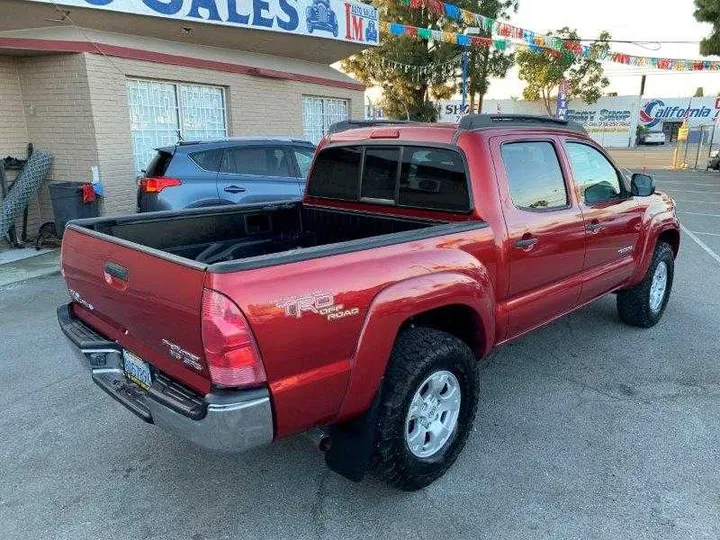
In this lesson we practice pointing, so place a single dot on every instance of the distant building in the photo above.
(612, 121)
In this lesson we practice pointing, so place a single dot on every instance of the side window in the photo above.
(208, 160)
(433, 178)
(534, 175)
(380, 173)
(595, 176)
(336, 173)
(304, 157)
(256, 161)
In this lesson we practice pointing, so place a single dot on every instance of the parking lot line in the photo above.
(703, 192)
(701, 244)
(699, 214)
(696, 202)
(705, 233)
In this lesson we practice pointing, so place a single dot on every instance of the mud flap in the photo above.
(352, 443)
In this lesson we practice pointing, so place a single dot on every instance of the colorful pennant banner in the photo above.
(528, 39)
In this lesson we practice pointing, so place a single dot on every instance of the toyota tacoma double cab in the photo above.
(360, 312)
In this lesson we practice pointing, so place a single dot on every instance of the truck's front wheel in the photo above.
(427, 408)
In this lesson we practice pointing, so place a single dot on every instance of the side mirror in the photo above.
(642, 185)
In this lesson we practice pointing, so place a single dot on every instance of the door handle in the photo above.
(594, 227)
(234, 189)
(526, 243)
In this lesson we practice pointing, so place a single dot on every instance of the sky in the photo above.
(643, 20)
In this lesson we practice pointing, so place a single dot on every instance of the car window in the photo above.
(336, 173)
(208, 160)
(380, 173)
(433, 178)
(256, 160)
(534, 176)
(304, 159)
(595, 176)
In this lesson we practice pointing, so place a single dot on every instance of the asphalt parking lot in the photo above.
(586, 429)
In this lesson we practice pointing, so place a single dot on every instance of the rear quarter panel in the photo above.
(308, 356)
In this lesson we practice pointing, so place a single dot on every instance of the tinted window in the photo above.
(208, 160)
(336, 173)
(534, 176)
(304, 159)
(434, 179)
(380, 173)
(256, 160)
(597, 179)
(158, 164)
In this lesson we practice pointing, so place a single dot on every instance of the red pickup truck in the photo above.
(363, 309)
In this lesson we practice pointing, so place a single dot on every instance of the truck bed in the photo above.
(253, 236)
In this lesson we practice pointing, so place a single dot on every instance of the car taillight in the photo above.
(230, 350)
(156, 184)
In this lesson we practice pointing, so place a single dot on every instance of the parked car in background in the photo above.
(652, 137)
(714, 160)
(226, 171)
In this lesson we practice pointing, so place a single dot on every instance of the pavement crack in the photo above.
(318, 507)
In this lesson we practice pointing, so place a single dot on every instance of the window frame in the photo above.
(394, 203)
(624, 194)
(563, 173)
(179, 106)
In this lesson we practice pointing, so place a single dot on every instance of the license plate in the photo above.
(137, 370)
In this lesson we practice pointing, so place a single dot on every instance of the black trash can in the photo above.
(67, 203)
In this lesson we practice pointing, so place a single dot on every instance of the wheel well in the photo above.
(672, 237)
(459, 320)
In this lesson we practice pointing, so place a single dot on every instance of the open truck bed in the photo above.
(252, 236)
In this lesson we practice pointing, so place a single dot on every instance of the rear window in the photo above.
(336, 173)
(413, 176)
(208, 160)
(158, 164)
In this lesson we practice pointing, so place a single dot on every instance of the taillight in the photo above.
(230, 350)
(156, 184)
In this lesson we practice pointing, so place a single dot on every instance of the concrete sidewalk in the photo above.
(43, 264)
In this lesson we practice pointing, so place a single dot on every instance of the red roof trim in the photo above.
(59, 45)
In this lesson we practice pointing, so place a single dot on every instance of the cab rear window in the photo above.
(410, 176)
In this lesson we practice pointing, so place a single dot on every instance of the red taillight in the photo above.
(157, 183)
(230, 350)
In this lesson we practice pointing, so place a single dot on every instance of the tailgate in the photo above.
(150, 305)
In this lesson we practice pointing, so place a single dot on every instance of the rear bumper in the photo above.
(225, 421)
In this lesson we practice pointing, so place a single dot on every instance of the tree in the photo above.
(544, 71)
(709, 11)
(700, 92)
(484, 63)
(408, 93)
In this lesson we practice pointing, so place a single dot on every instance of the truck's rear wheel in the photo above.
(644, 304)
(427, 407)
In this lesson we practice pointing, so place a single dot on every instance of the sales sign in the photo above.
(344, 20)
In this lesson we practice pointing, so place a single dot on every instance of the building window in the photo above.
(320, 113)
(161, 113)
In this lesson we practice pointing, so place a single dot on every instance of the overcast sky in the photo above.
(626, 20)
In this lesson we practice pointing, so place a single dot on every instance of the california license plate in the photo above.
(137, 370)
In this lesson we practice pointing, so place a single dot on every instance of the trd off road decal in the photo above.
(322, 303)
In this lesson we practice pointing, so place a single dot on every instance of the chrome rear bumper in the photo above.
(225, 421)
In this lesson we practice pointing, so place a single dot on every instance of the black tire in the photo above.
(417, 354)
(634, 304)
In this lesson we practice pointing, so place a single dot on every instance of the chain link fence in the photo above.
(694, 153)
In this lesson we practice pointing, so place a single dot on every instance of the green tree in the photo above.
(409, 93)
(700, 92)
(543, 72)
(709, 11)
(484, 63)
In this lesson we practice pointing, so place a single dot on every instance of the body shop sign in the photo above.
(343, 20)
(602, 120)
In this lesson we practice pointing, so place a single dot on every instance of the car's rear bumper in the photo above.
(226, 421)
